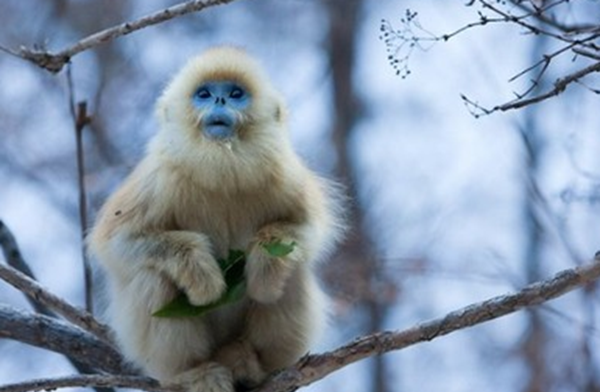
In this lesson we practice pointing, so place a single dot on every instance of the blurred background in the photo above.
(446, 209)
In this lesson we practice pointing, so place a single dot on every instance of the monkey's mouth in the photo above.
(218, 127)
(219, 123)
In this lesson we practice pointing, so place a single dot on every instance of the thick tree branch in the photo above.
(96, 380)
(21, 277)
(54, 62)
(60, 336)
(314, 367)
(41, 295)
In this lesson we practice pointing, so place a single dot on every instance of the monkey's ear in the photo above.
(162, 111)
(280, 113)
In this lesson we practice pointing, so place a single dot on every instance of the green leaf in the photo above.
(181, 307)
(235, 256)
(278, 248)
(233, 272)
(178, 307)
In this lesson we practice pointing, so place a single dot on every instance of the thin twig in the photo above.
(587, 53)
(10, 52)
(95, 380)
(80, 121)
(541, 15)
(559, 86)
(314, 367)
(54, 62)
(582, 42)
(42, 296)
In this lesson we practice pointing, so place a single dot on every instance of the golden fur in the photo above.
(190, 201)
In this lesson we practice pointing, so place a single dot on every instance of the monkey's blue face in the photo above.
(221, 103)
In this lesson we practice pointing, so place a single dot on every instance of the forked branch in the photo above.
(314, 367)
(582, 41)
(54, 62)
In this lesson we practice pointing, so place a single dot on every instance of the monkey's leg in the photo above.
(162, 347)
(206, 377)
(242, 359)
(276, 335)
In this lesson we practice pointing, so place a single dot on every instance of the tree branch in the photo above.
(52, 334)
(560, 85)
(41, 295)
(54, 62)
(579, 39)
(81, 119)
(96, 380)
(314, 367)
(59, 336)
(543, 17)
(21, 277)
(11, 252)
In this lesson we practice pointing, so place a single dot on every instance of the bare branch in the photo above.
(11, 252)
(96, 380)
(59, 336)
(559, 86)
(80, 120)
(581, 40)
(21, 276)
(543, 17)
(314, 367)
(10, 52)
(587, 53)
(41, 295)
(54, 62)
(54, 335)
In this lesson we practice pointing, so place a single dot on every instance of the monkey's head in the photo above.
(221, 96)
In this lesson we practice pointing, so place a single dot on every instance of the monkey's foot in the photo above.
(208, 377)
(241, 358)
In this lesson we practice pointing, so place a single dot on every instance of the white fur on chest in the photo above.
(230, 220)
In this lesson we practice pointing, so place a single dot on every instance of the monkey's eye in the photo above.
(203, 93)
(236, 93)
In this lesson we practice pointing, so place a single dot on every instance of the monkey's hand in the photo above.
(200, 277)
(189, 263)
(267, 275)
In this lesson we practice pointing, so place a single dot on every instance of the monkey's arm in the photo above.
(308, 228)
(132, 236)
(183, 257)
